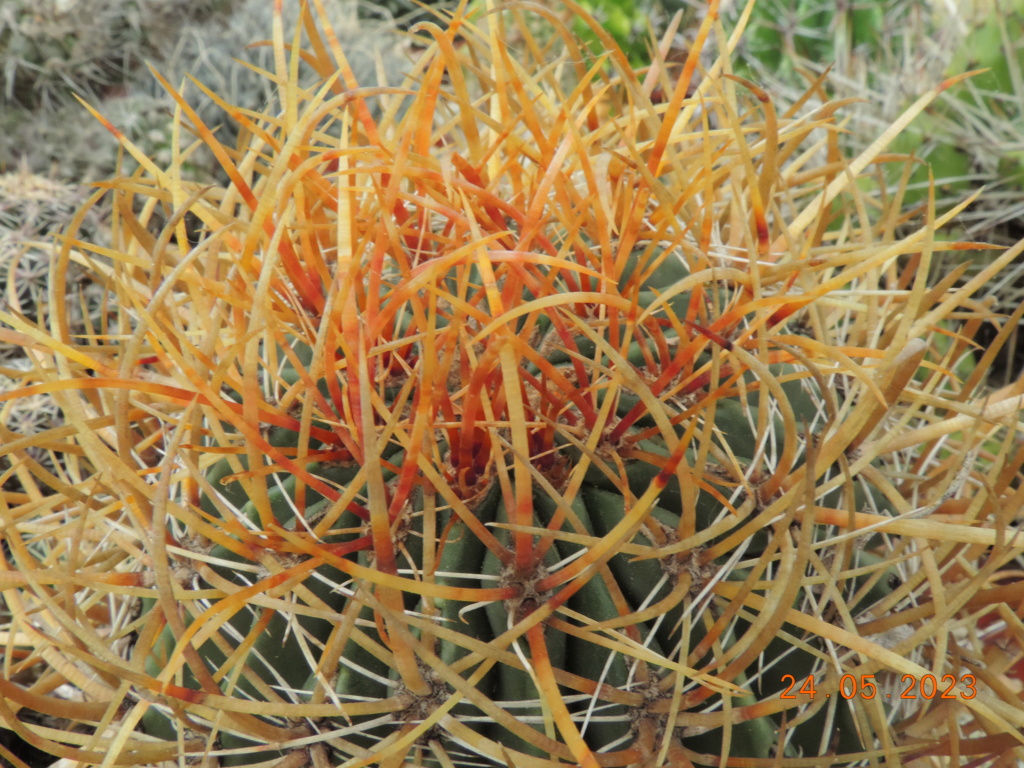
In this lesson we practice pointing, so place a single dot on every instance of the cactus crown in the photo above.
(533, 421)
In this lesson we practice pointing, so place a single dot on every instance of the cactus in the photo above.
(49, 48)
(531, 424)
(102, 58)
(32, 210)
(208, 52)
(885, 53)
(627, 21)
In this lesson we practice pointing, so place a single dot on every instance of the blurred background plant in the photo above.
(51, 48)
(98, 49)
(885, 53)
(33, 209)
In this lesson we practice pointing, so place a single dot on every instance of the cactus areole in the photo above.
(519, 421)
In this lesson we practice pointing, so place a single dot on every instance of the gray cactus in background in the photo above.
(50, 48)
(96, 48)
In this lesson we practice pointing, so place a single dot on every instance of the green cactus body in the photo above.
(277, 658)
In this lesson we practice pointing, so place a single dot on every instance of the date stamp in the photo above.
(925, 687)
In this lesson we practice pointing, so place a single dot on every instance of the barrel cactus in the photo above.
(529, 423)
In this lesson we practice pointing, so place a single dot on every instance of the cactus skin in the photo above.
(514, 431)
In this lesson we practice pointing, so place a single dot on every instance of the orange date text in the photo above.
(864, 687)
